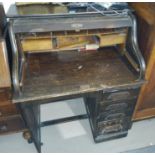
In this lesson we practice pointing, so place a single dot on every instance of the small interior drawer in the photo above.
(11, 125)
(120, 95)
(8, 110)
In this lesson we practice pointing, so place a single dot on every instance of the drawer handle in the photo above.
(119, 95)
(113, 128)
(115, 116)
(116, 106)
(108, 115)
(3, 128)
(1, 113)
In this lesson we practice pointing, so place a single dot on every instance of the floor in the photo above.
(77, 137)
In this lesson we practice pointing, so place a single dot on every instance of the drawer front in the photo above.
(113, 126)
(120, 95)
(115, 117)
(11, 125)
(8, 110)
(111, 115)
(126, 107)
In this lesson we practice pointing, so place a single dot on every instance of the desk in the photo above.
(70, 82)
(108, 78)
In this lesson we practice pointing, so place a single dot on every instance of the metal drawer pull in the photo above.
(108, 122)
(116, 106)
(112, 113)
(119, 95)
(115, 116)
(112, 128)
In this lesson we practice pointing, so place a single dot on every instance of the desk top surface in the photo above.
(52, 75)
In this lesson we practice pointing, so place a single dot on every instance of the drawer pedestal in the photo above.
(110, 113)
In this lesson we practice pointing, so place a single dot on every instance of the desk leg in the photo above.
(31, 114)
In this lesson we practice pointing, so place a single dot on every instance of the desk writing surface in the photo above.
(70, 72)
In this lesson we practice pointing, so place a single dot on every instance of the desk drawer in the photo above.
(113, 126)
(11, 125)
(116, 110)
(120, 95)
(126, 106)
(8, 110)
(111, 115)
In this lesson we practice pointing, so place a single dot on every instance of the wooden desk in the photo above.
(102, 78)
(108, 78)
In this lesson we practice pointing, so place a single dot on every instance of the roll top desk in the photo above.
(91, 53)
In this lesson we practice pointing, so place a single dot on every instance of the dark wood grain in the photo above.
(66, 73)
